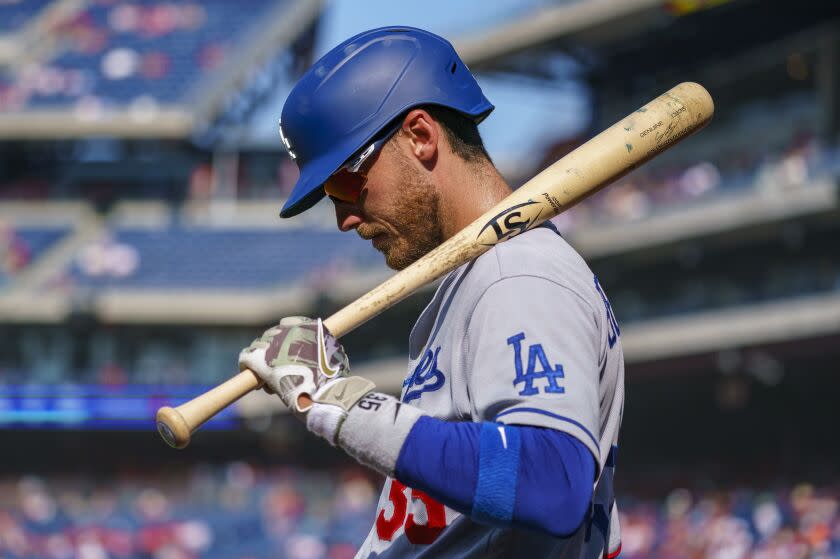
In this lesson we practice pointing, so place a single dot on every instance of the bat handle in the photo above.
(176, 425)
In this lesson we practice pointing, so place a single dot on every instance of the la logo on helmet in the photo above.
(285, 140)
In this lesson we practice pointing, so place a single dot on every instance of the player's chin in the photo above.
(400, 254)
(393, 260)
(395, 254)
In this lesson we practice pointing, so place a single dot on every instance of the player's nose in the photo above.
(347, 215)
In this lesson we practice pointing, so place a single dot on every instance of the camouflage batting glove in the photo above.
(295, 357)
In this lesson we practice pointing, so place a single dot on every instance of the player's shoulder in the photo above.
(540, 252)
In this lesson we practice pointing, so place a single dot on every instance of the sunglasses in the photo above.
(346, 183)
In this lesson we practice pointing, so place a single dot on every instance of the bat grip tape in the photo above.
(498, 467)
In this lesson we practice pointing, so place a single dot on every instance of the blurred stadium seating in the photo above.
(237, 510)
(117, 54)
(227, 511)
(797, 521)
(21, 246)
(15, 15)
(722, 161)
(178, 257)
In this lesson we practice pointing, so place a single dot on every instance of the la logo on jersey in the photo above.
(426, 376)
(536, 358)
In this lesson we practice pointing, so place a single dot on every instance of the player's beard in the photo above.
(414, 212)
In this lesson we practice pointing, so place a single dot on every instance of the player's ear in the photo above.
(423, 135)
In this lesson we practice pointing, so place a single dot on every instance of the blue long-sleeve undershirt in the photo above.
(529, 477)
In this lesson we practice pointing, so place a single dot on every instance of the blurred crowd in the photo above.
(800, 522)
(655, 188)
(237, 511)
(88, 55)
(231, 511)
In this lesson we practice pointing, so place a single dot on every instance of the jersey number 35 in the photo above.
(416, 533)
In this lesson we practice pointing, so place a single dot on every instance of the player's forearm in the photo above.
(499, 474)
(527, 477)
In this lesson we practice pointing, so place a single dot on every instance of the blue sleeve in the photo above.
(507, 475)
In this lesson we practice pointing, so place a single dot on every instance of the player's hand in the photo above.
(295, 358)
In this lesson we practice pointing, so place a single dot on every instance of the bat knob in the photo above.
(173, 428)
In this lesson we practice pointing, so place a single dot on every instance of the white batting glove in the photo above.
(370, 426)
(332, 402)
(294, 358)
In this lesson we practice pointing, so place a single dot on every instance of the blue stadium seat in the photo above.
(199, 258)
(28, 242)
(15, 15)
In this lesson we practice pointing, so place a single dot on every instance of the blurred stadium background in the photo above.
(140, 249)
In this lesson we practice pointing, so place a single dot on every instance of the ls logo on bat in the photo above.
(536, 356)
(509, 223)
(426, 375)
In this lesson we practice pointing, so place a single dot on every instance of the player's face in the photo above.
(390, 202)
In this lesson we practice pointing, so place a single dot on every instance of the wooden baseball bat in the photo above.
(611, 154)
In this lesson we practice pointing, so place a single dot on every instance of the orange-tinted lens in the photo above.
(345, 186)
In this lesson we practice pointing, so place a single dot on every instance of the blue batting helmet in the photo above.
(354, 91)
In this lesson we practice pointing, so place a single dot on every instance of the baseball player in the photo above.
(503, 441)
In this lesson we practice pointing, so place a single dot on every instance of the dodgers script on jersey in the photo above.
(522, 335)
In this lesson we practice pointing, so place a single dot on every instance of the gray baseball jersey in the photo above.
(522, 335)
